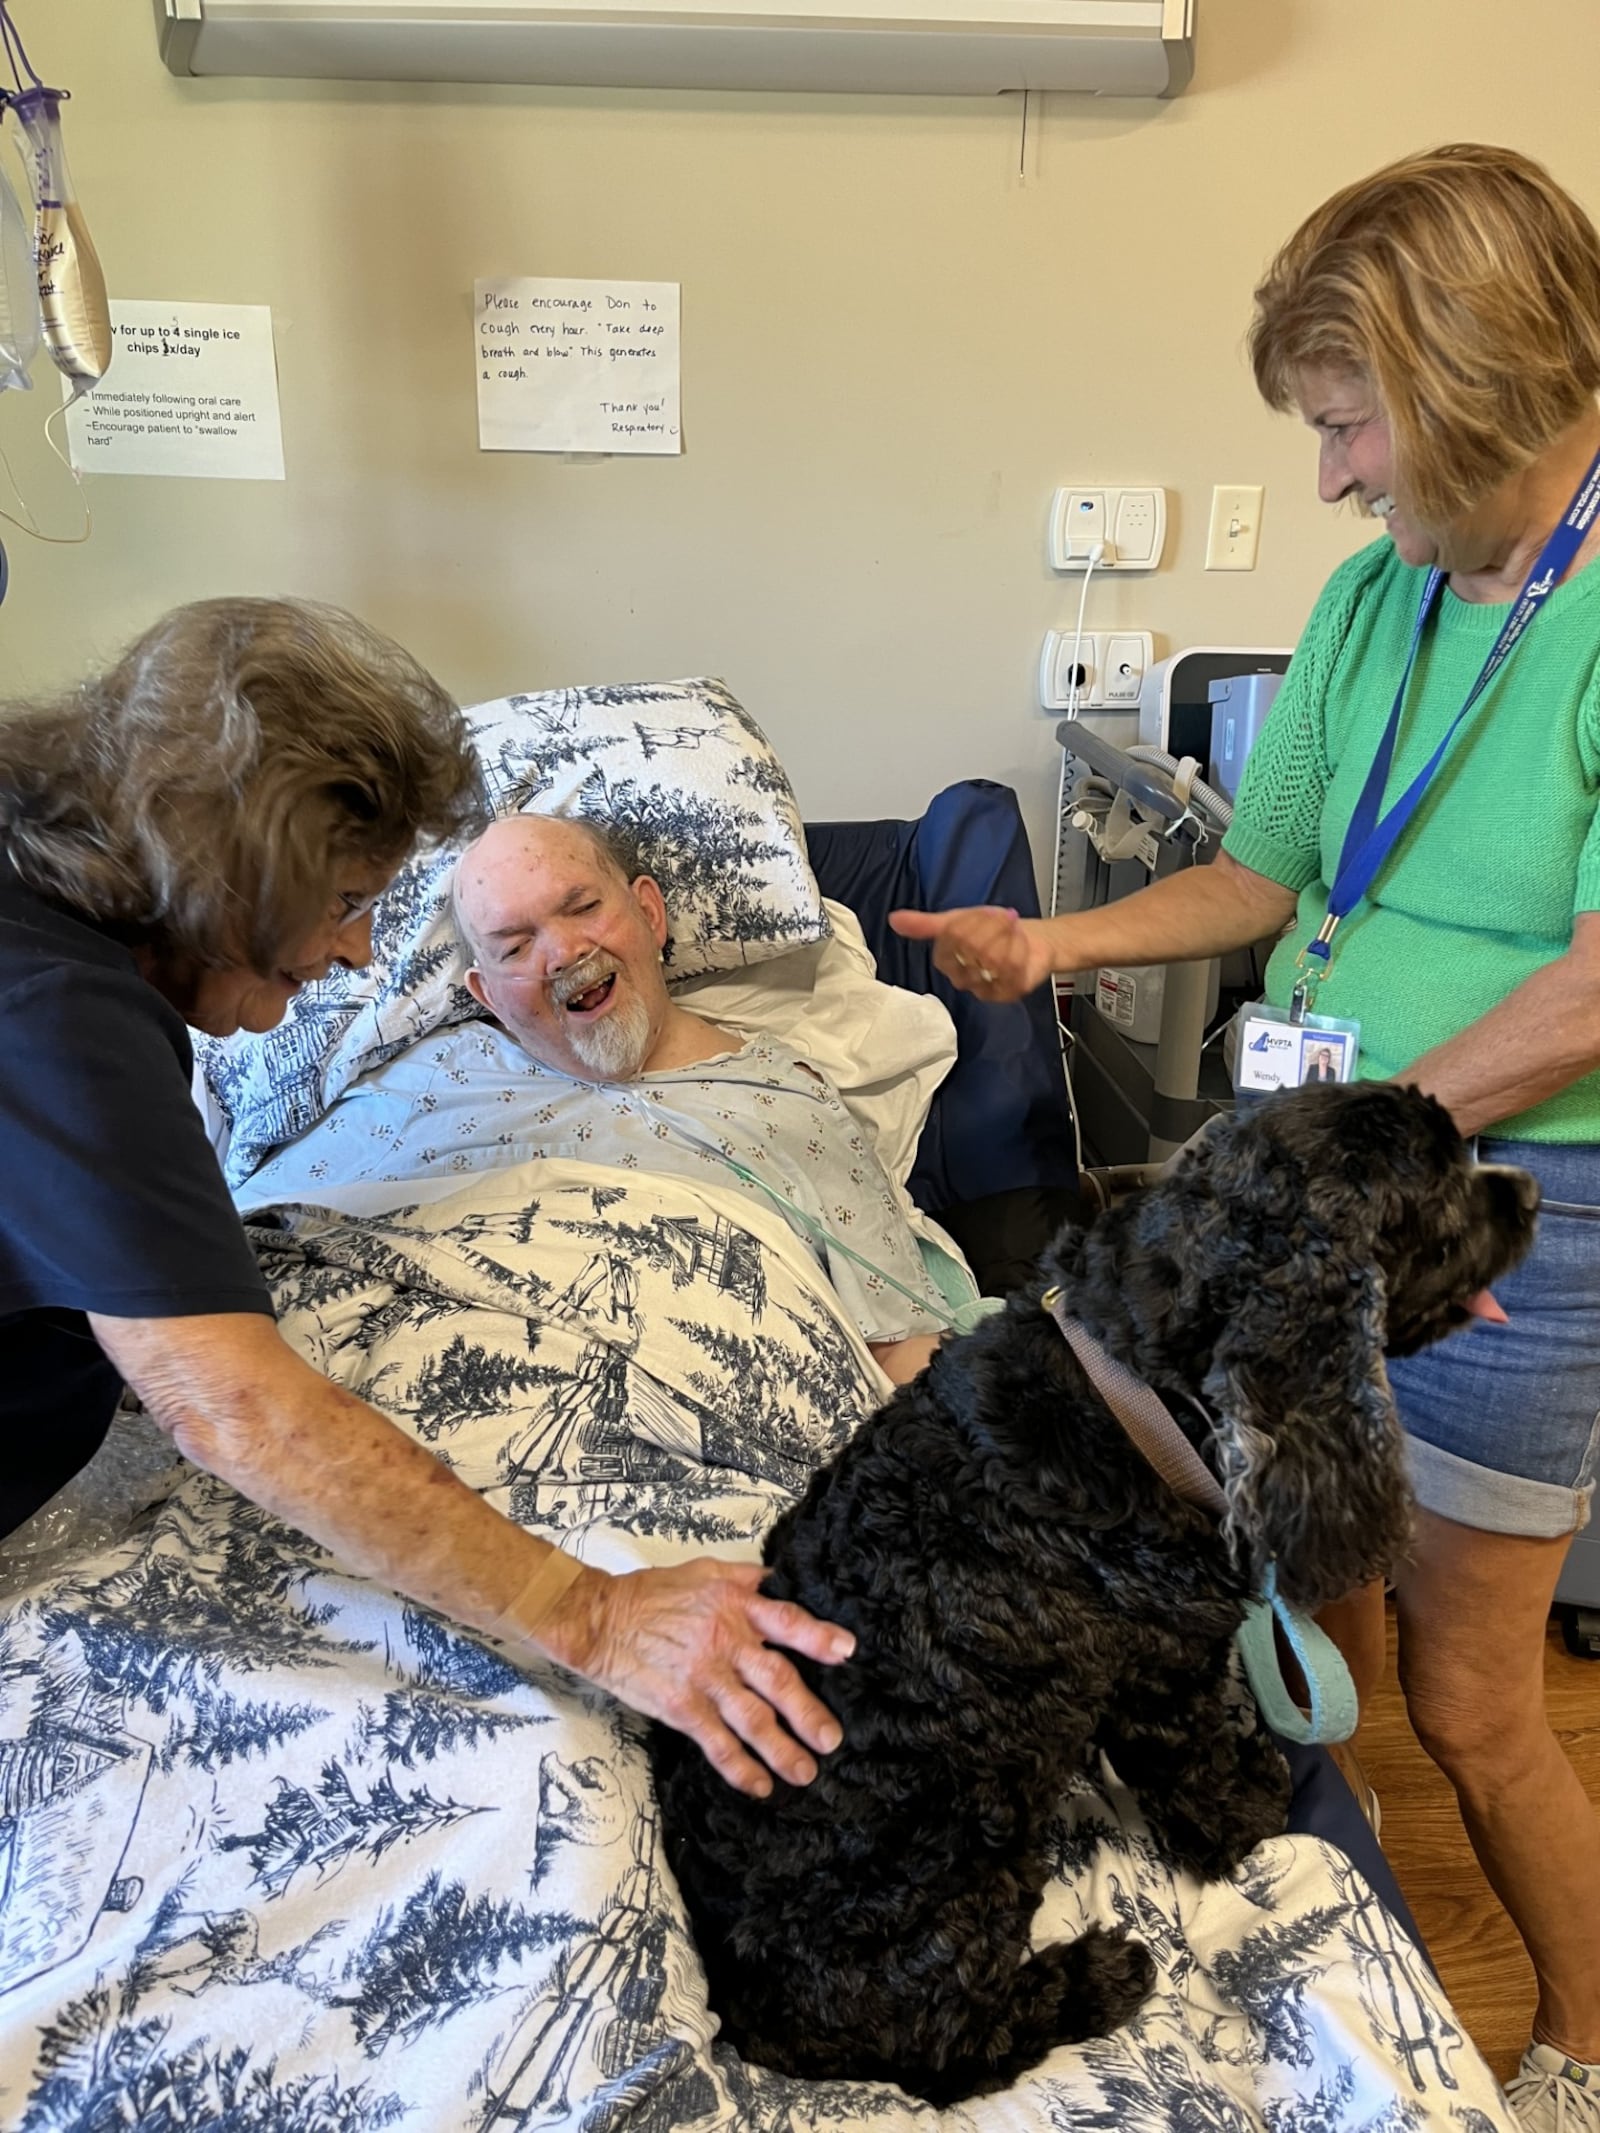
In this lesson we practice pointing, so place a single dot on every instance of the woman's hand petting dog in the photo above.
(693, 1645)
(1028, 1594)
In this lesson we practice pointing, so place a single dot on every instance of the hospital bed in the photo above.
(281, 1850)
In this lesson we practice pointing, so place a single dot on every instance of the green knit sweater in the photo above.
(1503, 851)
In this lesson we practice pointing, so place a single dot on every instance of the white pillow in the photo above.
(884, 1049)
(680, 765)
(687, 772)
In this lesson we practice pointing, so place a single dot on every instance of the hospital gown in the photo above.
(470, 1099)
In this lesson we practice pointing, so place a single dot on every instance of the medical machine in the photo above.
(1144, 1077)
(1146, 1041)
(1239, 707)
(1175, 696)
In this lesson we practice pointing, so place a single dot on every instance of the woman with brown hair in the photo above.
(1419, 823)
(191, 838)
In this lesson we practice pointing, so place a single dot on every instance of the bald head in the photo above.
(565, 946)
(513, 844)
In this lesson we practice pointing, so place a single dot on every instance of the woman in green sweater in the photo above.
(1438, 326)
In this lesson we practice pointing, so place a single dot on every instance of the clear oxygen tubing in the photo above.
(961, 1319)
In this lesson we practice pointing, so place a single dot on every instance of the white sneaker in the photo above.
(1551, 2093)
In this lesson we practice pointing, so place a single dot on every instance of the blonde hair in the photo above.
(200, 795)
(1463, 285)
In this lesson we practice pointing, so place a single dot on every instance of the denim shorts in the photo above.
(1503, 1422)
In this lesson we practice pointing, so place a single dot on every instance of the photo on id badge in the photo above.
(1273, 1051)
(1324, 1056)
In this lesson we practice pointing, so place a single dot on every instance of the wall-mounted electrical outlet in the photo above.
(1128, 654)
(1061, 650)
(1131, 524)
(1111, 665)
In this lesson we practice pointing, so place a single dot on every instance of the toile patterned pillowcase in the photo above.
(681, 765)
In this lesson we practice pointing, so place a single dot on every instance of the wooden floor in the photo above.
(1469, 1937)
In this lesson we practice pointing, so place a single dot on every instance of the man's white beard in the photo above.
(614, 1048)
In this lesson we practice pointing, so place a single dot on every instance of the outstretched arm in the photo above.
(1202, 911)
(692, 1645)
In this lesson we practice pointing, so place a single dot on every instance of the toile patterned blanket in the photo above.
(280, 1851)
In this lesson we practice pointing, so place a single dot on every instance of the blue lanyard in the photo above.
(1372, 836)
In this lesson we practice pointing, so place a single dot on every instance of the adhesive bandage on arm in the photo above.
(533, 1606)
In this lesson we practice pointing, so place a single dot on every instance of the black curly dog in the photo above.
(1025, 1592)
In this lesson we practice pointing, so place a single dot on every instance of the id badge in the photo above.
(1273, 1051)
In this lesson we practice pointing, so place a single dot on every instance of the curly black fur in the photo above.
(1025, 1592)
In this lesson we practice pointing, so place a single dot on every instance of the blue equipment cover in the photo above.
(1000, 1122)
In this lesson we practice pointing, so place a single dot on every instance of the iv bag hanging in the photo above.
(72, 290)
(21, 328)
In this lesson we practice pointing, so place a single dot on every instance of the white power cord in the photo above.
(1096, 554)
(1063, 1033)
(1065, 1036)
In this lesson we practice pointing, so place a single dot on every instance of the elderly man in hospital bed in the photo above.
(567, 941)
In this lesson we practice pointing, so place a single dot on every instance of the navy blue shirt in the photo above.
(111, 1199)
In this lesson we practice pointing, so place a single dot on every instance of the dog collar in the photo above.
(1150, 1427)
(1143, 1413)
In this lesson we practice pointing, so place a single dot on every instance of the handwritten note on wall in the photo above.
(577, 366)
(192, 389)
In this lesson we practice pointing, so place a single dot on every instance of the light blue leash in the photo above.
(1335, 1712)
(1151, 1428)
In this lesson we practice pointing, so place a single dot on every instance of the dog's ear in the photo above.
(1310, 1448)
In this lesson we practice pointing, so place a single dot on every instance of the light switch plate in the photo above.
(1235, 530)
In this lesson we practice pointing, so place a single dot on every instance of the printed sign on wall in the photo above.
(192, 389)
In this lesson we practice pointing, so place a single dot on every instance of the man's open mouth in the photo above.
(588, 988)
(584, 1003)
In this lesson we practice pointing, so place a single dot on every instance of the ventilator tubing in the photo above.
(72, 290)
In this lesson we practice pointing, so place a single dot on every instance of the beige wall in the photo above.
(895, 344)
